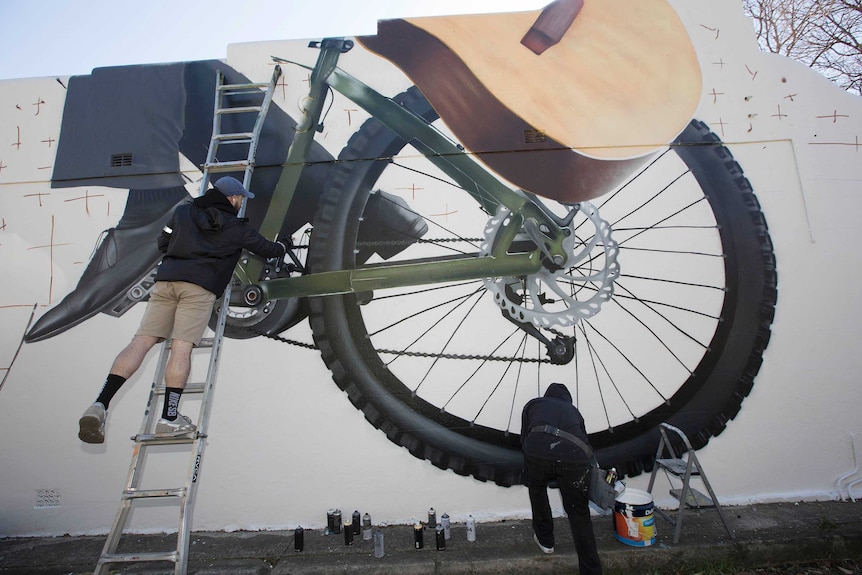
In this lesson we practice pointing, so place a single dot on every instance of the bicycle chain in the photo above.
(418, 241)
(407, 353)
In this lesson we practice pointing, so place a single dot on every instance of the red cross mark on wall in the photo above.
(282, 83)
(412, 188)
(445, 213)
(49, 141)
(2, 165)
(17, 144)
(38, 103)
(2, 224)
(834, 115)
(86, 197)
(752, 73)
(50, 246)
(37, 195)
(349, 117)
(721, 124)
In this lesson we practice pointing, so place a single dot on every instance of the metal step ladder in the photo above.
(238, 100)
(135, 492)
(682, 468)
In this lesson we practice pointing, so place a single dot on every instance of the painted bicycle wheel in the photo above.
(442, 370)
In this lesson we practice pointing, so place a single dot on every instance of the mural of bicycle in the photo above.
(594, 233)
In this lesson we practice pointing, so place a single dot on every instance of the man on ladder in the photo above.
(202, 245)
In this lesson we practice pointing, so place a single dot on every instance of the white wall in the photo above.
(286, 444)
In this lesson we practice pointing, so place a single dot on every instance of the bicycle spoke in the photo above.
(448, 341)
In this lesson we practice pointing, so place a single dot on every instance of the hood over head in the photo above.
(559, 391)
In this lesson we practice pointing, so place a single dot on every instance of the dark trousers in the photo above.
(573, 480)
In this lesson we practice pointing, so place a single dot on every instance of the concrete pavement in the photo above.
(763, 534)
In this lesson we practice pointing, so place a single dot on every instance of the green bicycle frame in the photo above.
(475, 180)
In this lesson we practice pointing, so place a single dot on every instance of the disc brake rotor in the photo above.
(559, 296)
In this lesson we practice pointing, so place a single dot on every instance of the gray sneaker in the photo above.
(91, 426)
(180, 426)
(546, 550)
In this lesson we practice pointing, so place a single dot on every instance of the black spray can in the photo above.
(417, 536)
(440, 536)
(432, 518)
(333, 521)
(348, 534)
(356, 522)
(298, 539)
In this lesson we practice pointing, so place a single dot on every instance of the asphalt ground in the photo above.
(763, 535)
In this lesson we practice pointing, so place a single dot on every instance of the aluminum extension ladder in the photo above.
(146, 439)
(683, 467)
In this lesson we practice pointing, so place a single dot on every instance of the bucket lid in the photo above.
(634, 497)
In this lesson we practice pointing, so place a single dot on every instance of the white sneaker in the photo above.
(180, 426)
(544, 549)
(91, 426)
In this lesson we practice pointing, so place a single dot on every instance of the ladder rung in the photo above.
(227, 166)
(205, 342)
(160, 439)
(239, 110)
(145, 493)
(230, 87)
(138, 557)
(677, 466)
(694, 499)
(238, 137)
(191, 387)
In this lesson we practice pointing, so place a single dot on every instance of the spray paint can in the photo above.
(440, 537)
(357, 523)
(333, 521)
(447, 526)
(378, 543)
(366, 527)
(348, 534)
(298, 539)
(432, 518)
(417, 536)
(471, 528)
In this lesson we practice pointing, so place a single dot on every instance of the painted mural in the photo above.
(470, 221)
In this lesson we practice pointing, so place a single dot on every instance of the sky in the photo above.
(69, 37)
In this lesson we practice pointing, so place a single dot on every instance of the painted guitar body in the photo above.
(571, 121)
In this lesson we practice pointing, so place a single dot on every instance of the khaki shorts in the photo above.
(177, 310)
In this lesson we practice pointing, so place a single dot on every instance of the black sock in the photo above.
(110, 389)
(172, 403)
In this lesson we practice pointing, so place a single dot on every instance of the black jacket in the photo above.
(205, 243)
(555, 409)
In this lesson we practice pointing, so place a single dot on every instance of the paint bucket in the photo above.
(634, 522)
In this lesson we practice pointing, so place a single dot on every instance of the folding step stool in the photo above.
(146, 438)
(684, 468)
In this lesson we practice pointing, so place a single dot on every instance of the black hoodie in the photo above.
(205, 243)
(555, 409)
